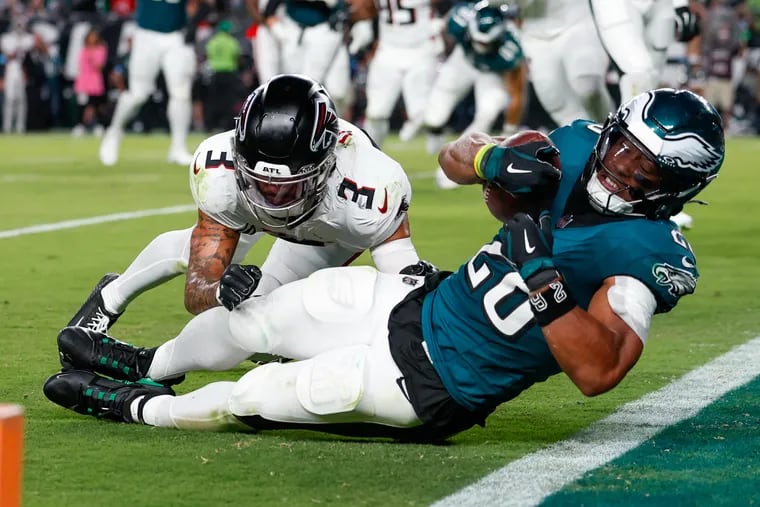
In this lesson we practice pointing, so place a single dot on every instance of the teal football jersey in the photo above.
(478, 325)
(308, 13)
(163, 16)
(505, 58)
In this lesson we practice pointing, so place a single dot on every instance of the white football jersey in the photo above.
(365, 199)
(407, 23)
(549, 18)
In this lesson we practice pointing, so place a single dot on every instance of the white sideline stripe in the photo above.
(530, 479)
(115, 217)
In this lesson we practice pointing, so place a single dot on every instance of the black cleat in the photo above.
(86, 349)
(86, 393)
(93, 314)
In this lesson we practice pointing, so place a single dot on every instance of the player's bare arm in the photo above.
(362, 9)
(458, 157)
(211, 247)
(514, 82)
(595, 348)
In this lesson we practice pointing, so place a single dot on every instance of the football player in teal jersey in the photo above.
(487, 59)
(572, 289)
(158, 45)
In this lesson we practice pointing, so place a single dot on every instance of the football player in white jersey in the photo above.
(404, 64)
(311, 36)
(290, 169)
(636, 35)
(266, 44)
(566, 60)
(158, 45)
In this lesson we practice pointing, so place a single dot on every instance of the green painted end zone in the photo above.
(712, 459)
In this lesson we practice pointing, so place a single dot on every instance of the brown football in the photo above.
(502, 204)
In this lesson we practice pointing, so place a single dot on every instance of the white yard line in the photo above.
(530, 479)
(115, 217)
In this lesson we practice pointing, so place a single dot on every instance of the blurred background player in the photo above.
(405, 62)
(15, 44)
(266, 42)
(636, 35)
(567, 63)
(487, 58)
(159, 45)
(311, 34)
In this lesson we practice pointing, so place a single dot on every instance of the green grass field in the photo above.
(71, 460)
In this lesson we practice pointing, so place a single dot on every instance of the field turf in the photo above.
(71, 460)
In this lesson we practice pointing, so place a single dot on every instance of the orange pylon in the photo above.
(11, 454)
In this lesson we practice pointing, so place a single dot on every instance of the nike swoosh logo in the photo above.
(401, 381)
(512, 169)
(528, 247)
(384, 207)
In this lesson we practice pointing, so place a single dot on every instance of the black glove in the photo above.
(528, 247)
(422, 268)
(521, 169)
(687, 24)
(237, 284)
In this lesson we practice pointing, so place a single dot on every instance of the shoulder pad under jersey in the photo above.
(212, 175)
(373, 192)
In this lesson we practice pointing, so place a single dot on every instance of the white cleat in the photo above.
(109, 147)
(434, 143)
(683, 221)
(442, 181)
(180, 157)
(408, 130)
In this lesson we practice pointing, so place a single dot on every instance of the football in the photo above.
(502, 204)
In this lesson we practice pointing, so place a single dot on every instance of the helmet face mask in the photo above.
(278, 200)
(284, 146)
(654, 154)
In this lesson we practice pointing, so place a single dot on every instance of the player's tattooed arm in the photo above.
(211, 247)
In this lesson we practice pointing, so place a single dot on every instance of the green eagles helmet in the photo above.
(680, 132)
(487, 27)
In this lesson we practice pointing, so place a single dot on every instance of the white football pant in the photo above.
(335, 323)
(455, 79)
(153, 52)
(636, 35)
(394, 72)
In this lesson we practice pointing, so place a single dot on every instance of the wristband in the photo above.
(482, 152)
(551, 302)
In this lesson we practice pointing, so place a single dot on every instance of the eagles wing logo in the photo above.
(685, 150)
(678, 281)
(690, 151)
(321, 136)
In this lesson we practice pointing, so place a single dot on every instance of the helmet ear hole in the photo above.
(284, 144)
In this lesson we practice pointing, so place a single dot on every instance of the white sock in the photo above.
(206, 408)
(205, 343)
(179, 112)
(164, 258)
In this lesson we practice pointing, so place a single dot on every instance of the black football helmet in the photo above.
(284, 147)
(678, 131)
